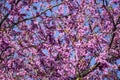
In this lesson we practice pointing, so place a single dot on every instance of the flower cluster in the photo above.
(59, 39)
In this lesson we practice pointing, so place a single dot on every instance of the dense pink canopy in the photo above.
(59, 39)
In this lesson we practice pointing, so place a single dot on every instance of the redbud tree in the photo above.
(59, 39)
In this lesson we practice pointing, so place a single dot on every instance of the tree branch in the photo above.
(86, 72)
(6, 16)
(118, 21)
(89, 70)
(33, 17)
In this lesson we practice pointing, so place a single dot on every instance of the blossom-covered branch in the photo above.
(59, 39)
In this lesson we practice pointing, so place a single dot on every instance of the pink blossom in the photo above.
(59, 39)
